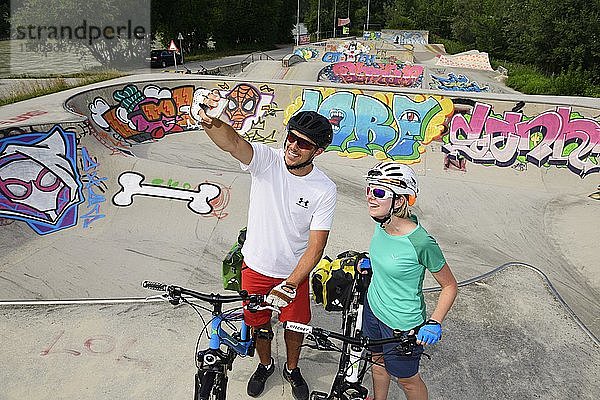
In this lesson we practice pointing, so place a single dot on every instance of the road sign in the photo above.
(180, 37)
(172, 46)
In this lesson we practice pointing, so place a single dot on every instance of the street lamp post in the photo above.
(319, 21)
(368, 8)
(298, 25)
(334, 16)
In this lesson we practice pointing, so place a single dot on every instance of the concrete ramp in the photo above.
(495, 346)
(504, 178)
(473, 59)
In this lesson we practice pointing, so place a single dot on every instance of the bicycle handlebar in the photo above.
(323, 334)
(175, 292)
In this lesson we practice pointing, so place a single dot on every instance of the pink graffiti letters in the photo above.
(379, 74)
(96, 345)
(557, 137)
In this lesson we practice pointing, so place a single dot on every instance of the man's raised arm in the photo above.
(221, 133)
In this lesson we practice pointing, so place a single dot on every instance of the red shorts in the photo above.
(256, 283)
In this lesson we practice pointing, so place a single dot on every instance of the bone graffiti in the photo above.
(558, 137)
(153, 112)
(199, 201)
(91, 180)
(39, 181)
(388, 126)
(219, 203)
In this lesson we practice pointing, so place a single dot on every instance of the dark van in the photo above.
(163, 58)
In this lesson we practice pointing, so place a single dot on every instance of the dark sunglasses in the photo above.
(379, 193)
(302, 143)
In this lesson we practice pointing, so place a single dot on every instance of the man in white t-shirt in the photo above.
(291, 210)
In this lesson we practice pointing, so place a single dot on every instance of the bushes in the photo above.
(531, 80)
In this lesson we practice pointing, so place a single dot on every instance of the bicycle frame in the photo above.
(213, 363)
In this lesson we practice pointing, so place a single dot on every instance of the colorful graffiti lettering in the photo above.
(556, 137)
(388, 126)
(371, 35)
(457, 83)
(348, 51)
(39, 182)
(307, 53)
(92, 180)
(151, 114)
(410, 37)
(334, 57)
(399, 75)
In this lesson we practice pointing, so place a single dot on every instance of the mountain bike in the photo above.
(353, 364)
(227, 331)
(342, 389)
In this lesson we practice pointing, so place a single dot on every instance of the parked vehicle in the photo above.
(163, 58)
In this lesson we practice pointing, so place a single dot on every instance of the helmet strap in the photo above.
(384, 220)
(301, 165)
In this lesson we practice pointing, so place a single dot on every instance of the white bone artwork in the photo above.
(132, 185)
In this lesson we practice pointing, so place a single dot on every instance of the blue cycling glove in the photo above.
(430, 333)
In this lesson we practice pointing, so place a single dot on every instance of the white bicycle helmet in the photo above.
(399, 178)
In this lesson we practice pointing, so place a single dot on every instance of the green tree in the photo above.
(4, 19)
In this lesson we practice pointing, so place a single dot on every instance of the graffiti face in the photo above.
(243, 103)
(155, 116)
(39, 183)
(36, 186)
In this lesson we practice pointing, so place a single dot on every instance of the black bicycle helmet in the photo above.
(314, 126)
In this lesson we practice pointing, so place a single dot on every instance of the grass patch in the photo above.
(531, 80)
(30, 88)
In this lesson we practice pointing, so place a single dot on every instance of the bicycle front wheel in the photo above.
(210, 385)
(203, 385)
(220, 387)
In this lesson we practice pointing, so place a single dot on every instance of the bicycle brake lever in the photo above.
(156, 296)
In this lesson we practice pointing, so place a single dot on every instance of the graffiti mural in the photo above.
(555, 137)
(407, 37)
(91, 183)
(307, 53)
(399, 75)
(351, 52)
(132, 184)
(150, 114)
(23, 117)
(456, 83)
(219, 203)
(371, 35)
(385, 125)
(39, 182)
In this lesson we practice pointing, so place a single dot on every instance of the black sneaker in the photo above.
(256, 384)
(299, 385)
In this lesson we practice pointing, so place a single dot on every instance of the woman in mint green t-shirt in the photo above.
(401, 250)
